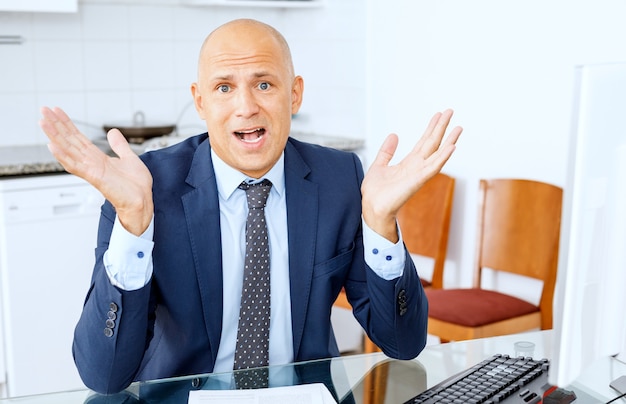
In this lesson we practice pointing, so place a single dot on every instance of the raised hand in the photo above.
(123, 180)
(386, 188)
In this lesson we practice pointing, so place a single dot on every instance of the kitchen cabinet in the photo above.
(48, 226)
(63, 6)
(256, 3)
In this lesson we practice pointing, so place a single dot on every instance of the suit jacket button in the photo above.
(108, 332)
(111, 315)
(402, 295)
(402, 311)
(195, 382)
(110, 323)
(113, 307)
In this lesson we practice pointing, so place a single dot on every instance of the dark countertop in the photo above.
(27, 160)
(37, 159)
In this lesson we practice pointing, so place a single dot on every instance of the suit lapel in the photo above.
(201, 206)
(302, 213)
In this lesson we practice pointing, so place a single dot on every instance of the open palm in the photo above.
(123, 180)
(387, 187)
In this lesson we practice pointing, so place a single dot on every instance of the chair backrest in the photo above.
(425, 222)
(519, 224)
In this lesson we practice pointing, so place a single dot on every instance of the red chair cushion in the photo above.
(475, 307)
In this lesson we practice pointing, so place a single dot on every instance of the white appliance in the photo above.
(48, 230)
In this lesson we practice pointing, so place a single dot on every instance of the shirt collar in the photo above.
(228, 178)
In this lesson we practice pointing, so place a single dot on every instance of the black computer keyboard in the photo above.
(499, 379)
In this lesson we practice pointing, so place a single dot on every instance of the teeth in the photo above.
(243, 135)
(255, 140)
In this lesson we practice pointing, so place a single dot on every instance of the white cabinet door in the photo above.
(257, 3)
(63, 6)
(47, 240)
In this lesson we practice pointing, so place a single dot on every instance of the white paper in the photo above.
(315, 393)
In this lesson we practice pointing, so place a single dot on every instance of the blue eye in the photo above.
(264, 86)
(223, 88)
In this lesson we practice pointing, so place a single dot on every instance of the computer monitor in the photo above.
(590, 296)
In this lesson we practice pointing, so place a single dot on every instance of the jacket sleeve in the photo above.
(114, 327)
(394, 313)
(398, 312)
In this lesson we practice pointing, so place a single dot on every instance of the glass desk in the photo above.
(366, 378)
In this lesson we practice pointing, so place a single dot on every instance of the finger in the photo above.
(439, 158)
(60, 129)
(55, 120)
(386, 151)
(76, 153)
(71, 131)
(47, 122)
(431, 126)
(119, 144)
(454, 135)
(433, 135)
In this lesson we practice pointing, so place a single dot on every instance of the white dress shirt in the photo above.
(128, 261)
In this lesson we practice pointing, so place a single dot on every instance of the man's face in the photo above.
(246, 93)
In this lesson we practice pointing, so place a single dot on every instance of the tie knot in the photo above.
(257, 193)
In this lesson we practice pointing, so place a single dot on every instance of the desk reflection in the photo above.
(387, 381)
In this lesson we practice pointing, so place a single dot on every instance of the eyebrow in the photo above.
(228, 77)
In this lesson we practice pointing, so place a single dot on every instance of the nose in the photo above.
(247, 103)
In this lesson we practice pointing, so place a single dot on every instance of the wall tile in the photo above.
(17, 68)
(334, 111)
(151, 23)
(339, 62)
(57, 26)
(19, 118)
(270, 16)
(336, 20)
(158, 106)
(152, 64)
(59, 66)
(186, 62)
(106, 107)
(117, 58)
(194, 23)
(105, 22)
(188, 121)
(107, 65)
(16, 24)
(73, 103)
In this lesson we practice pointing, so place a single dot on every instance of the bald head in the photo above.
(238, 36)
(247, 93)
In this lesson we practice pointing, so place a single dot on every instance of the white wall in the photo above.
(113, 58)
(506, 68)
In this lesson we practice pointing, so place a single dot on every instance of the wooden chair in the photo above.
(518, 232)
(425, 223)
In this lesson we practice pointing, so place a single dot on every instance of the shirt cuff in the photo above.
(128, 261)
(384, 257)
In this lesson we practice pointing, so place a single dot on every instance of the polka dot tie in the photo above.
(254, 314)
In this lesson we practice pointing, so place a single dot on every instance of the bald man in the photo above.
(166, 287)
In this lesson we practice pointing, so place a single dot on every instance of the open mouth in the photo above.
(251, 136)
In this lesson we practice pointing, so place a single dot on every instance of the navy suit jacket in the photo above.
(172, 326)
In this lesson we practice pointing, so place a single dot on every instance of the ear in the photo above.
(197, 99)
(296, 94)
